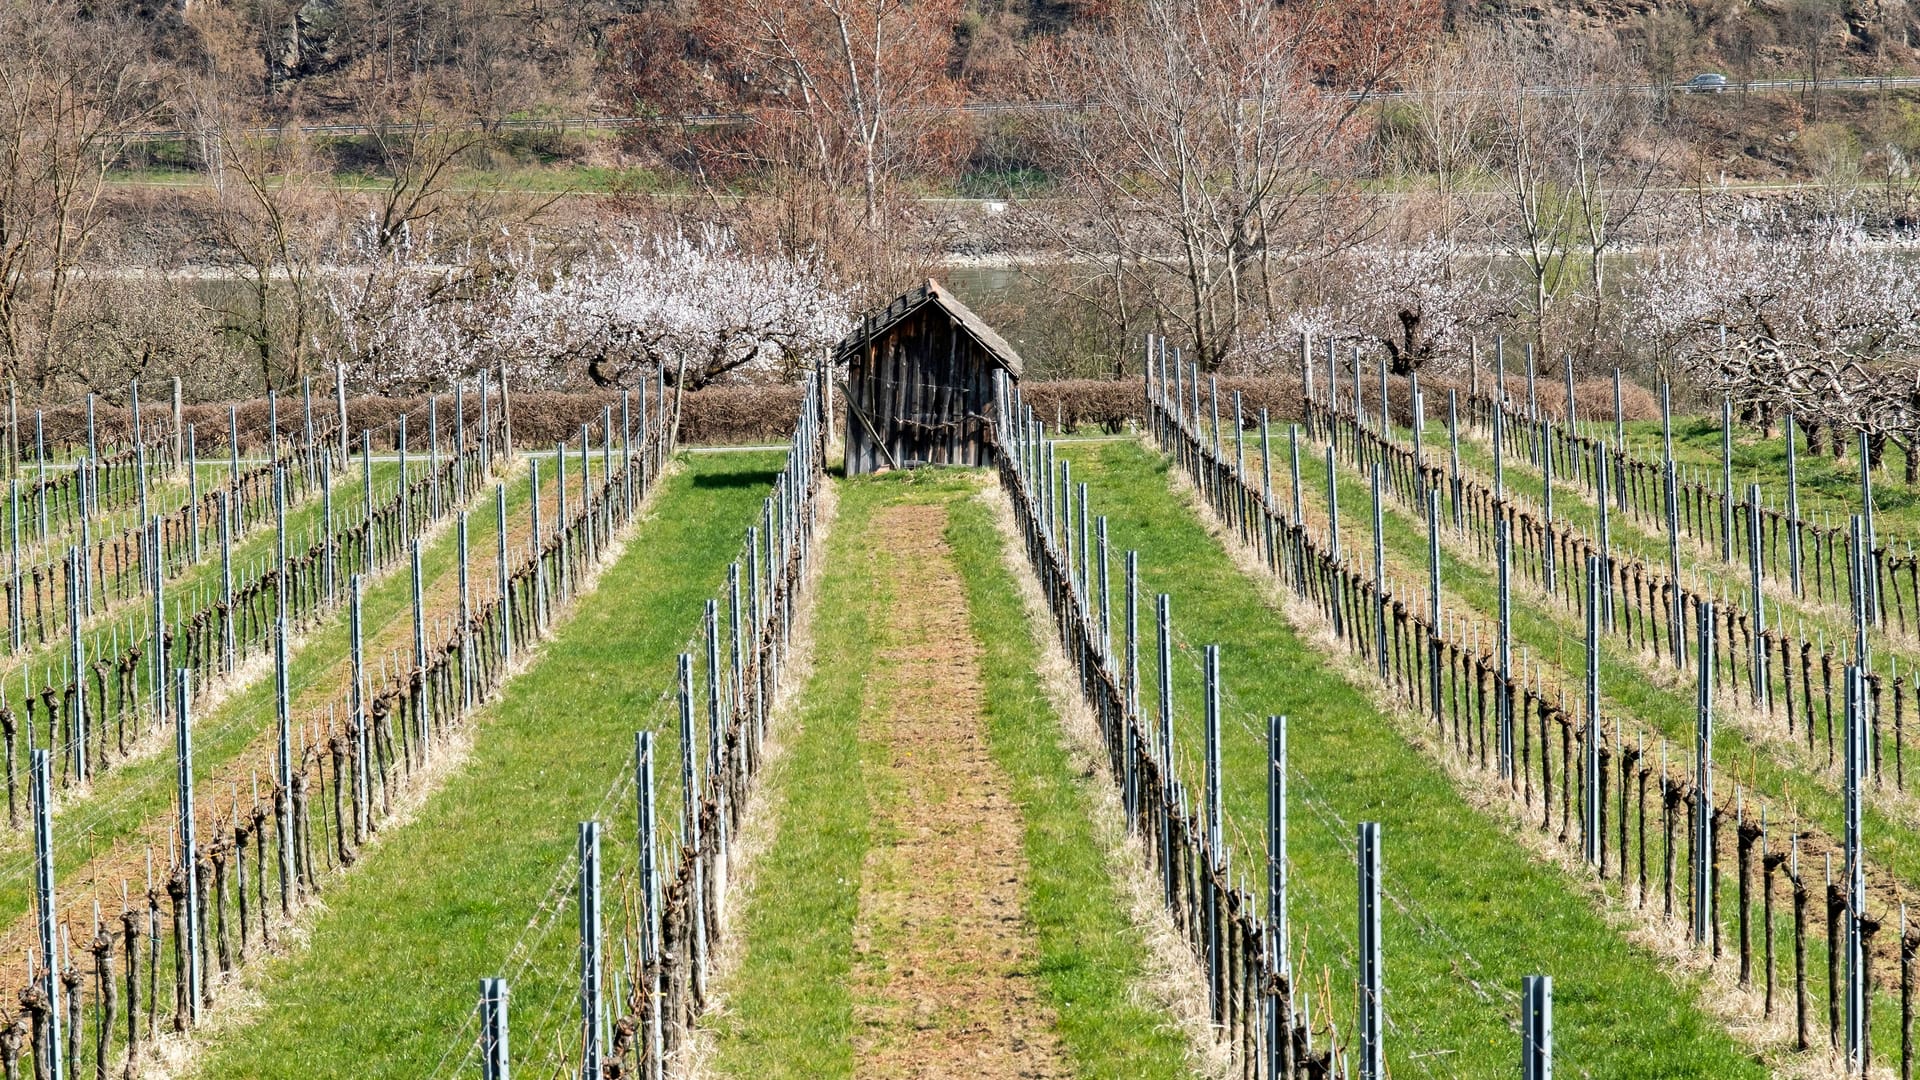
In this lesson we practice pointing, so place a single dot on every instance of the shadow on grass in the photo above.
(743, 477)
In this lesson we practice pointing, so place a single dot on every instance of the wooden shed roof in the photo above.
(912, 301)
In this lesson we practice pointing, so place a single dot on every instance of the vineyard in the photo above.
(1426, 730)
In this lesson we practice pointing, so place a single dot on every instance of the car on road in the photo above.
(1707, 82)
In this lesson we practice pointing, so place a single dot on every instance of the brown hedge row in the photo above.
(719, 416)
(736, 415)
(1592, 399)
(1109, 404)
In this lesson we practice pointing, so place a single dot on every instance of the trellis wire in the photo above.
(1333, 588)
(666, 952)
(217, 879)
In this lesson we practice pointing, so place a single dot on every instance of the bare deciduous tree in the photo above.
(847, 103)
(1454, 117)
(1578, 155)
(272, 220)
(1202, 153)
(71, 90)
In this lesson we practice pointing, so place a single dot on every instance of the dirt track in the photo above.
(943, 980)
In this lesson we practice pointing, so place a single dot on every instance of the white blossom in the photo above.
(1417, 303)
(693, 305)
(1825, 325)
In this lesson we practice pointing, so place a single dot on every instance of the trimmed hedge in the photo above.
(719, 416)
(1109, 404)
(1592, 399)
(735, 415)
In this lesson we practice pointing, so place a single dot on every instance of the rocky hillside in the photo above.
(348, 60)
(313, 54)
(1742, 38)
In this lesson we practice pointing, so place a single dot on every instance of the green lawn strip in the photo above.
(1767, 768)
(1829, 489)
(386, 984)
(1470, 911)
(129, 795)
(790, 1004)
(1091, 956)
(1701, 566)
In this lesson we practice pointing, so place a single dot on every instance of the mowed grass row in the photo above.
(112, 598)
(387, 981)
(1469, 911)
(1829, 488)
(1632, 682)
(253, 552)
(130, 792)
(1702, 568)
(790, 1007)
(80, 811)
(124, 619)
(131, 803)
(1647, 691)
(164, 499)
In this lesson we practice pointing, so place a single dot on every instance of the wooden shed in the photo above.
(921, 383)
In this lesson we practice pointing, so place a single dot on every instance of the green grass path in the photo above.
(1469, 911)
(1628, 685)
(387, 983)
(132, 794)
(1782, 771)
(791, 1004)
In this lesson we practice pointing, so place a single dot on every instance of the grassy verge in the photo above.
(790, 1008)
(1635, 685)
(129, 803)
(1091, 957)
(790, 1004)
(387, 983)
(1469, 912)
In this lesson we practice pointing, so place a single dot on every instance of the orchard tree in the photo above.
(690, 305)
(1421, 303)
(1826, 326)
(1575, 161)
(406, 317)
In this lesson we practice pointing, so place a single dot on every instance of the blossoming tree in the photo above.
(693, 306)
(1826, 326)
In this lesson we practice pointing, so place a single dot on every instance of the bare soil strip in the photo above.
(943, 955)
